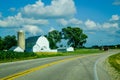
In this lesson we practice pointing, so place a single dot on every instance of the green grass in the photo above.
(114, 60)
(84, 51)
(9, 56)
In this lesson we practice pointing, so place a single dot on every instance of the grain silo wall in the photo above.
(21, 39)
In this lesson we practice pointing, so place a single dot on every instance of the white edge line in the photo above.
(95, 70)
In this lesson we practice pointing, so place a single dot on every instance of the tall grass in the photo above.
(114, 60)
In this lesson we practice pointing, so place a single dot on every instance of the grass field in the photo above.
(10, 56)
(114, 60)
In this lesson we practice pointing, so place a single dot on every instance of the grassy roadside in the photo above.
(10, 56)
(114, 61)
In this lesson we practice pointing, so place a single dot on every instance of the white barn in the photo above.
(42, 45)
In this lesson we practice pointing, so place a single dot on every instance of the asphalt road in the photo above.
(77, 67)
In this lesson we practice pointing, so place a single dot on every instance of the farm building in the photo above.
(36, 44)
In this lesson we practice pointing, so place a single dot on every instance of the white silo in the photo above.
(21, 39)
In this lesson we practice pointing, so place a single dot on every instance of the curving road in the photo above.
(77, 67)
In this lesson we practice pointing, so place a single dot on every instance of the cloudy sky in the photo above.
(99, 19)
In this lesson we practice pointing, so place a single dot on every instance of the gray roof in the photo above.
(12, 48)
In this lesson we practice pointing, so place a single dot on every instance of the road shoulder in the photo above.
(111, 71)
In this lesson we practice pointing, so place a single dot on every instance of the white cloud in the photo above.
(75, 21)
(62, 22)
(40, 14)
(68, 22)
(90, 24)
(32, 29)
(114, 18)
(116, 2)
(110, 25)
(51, 29)
(113, 24)
(18, 20)
(12, 9)
(57, 9)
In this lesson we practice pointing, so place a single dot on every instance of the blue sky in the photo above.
(99, 19)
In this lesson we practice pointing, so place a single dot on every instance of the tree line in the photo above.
(7, 42)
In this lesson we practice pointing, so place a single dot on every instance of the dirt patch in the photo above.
(111, 71)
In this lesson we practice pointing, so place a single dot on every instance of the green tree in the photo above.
(75, 36)
(54, 37)
(9, 41)
(1, 43)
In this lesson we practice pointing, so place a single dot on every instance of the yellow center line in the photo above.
(14, 76)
